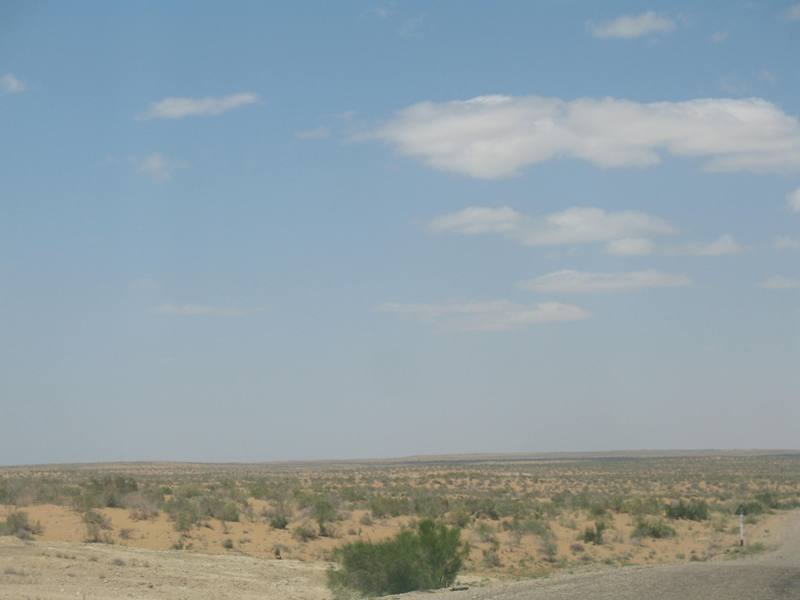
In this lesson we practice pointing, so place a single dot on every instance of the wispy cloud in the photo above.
(633, 26)
(383, 10)
(722, 246)
(631, 247)
(780, 282)
(497, 315)
(719, 36)
(411, 27)
(576, 225)
(202, 310)
(785, 242)
(159, 168)
(568, 281)
(318, 133)
(793, 201)
(178, 108)
(793, 12)
(497, 136)
(11, 85)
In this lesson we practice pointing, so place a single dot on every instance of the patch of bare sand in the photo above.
(58, 571)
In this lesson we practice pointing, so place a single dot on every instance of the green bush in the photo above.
(428, 557)
(694, 510)
(594, 535)
(278, 520)
(96, 523)
(653, 528)
(323, 511)
(304, 533)
(753, 507)
(388, 506)
(18, 524)
(531, 526)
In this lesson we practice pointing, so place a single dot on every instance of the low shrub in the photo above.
(304, 533)
(694, 510)
(594, 535)
(653, 528)
(18, 524)
(427, 557)
(278, 521)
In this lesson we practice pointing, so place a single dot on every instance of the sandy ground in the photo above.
(60, 571)
(48, 570)
(773, 575)
(257, 539)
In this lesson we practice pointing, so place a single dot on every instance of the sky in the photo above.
(264, 231)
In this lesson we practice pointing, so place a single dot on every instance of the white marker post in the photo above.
(741, 528)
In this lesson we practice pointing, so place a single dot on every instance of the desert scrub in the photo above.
(694, 510)
(96, 526)
(653, 528)
(425, 558)
(304, 533)
(108, 491)
(387, 506)
(491, 556)
(530, 526)
(278, 520)
(594, 535)
(323, 511)
(18, 524)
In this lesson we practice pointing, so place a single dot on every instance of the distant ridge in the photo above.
(419, 459)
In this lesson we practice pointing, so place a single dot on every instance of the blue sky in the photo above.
(362, 229)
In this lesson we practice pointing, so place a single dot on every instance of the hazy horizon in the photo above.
(458, 457)
(378, 229)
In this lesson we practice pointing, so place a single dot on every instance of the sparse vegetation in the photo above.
(694, 510)
(19, 525)
(594, 535)
(519, 517)
(653, 528)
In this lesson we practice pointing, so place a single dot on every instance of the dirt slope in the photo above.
(57, 571)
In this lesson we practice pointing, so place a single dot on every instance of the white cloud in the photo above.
(412, 27)
(159, 168)
(786, 243)
(178, 108)
(497, 315)
(767, 75)
(568, 281)
(576, 225)
(633, 26)
(383, 11)
(780, 282)
(719, 36)
(12, 85)
(318, 133)
(793, 201)
(631, 247)
(793, 12)
(497, 136)
(200, 310)
(722, 246)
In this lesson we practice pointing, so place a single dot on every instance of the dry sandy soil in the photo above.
(774, 575)
(59, 570)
